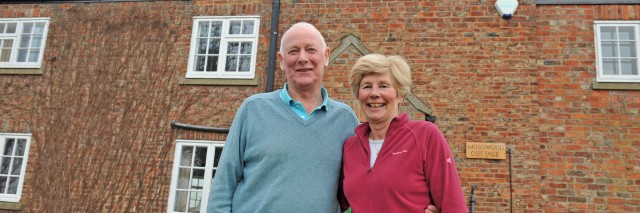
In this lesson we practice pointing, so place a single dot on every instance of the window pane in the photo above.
(4, 55)
(17, 166)
(11, 27)
(8, 43)
(13, 185)
(609, 66)
(4, 169)
(27, 27)
(212, 64)
(608, 33)
(199, 63)
(180, 204)
(3, 184)
(184, 174)
(216, 158)
(245, 48)
(245, 63)
(232, 62)
(234, 27)
(627, 49)
(609, 49)
(233, 47)
(8, 146)
(198, 179)
(187, 156)
(39, 28)
(201, 46)
(22, 55)
(22, 143)
(194, 201)
(214, 46)
(24, 40)
(2, 28)
(629, 67)
(203, 29)
(216, 29)
(626, 33)
(33, 56)
(201, 157)
(36, 41)
(247, 27)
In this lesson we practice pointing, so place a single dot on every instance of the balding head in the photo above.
(301, 26)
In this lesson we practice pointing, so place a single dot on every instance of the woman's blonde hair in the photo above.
(379, 64)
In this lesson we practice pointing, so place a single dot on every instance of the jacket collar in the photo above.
(363, 129)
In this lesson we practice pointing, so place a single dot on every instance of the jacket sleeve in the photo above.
(230, 167)
(441, 173)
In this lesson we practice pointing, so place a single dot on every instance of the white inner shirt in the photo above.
(375, 146)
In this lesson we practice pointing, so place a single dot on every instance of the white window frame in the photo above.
(601, 77)
(4, 196)
(208, 178)
(225, 38)
(17, 41)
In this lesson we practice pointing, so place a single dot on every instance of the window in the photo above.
(617, 51)
(194, 166)
(223, 47)
(22, 42)
(14, 150)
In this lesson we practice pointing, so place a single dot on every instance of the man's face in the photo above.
(303, 57)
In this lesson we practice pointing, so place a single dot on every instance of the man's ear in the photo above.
(279, 56)
(327, 53)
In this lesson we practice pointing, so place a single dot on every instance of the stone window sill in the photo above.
(614, 86)
(219, 81)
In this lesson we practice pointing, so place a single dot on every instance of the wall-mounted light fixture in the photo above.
(506, 8)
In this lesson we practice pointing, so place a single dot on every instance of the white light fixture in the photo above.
(506, 8)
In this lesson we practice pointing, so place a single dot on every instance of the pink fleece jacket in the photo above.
(415, 168)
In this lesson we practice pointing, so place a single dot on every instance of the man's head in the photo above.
(303, 56)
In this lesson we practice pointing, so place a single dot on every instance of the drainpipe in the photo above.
(273, 44)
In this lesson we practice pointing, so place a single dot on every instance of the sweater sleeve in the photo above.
(230, 167)
(441, 173)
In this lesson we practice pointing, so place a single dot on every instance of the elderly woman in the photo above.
(393, 164)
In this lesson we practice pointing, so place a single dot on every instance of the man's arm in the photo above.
(230, 167)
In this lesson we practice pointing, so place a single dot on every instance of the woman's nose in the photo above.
(375, 93)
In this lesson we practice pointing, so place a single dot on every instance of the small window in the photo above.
(223, 47)
(194, 166)
(22, 42)
(617, 51)
(14, 150)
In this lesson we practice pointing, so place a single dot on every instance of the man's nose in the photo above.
(303, 57)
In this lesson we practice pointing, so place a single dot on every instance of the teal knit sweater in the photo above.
(274, 161)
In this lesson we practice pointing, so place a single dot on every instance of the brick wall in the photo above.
(100, 114)
(589, 139)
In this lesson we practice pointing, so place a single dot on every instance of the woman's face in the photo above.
(378, 97)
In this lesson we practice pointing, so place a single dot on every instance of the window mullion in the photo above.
(222, 55)
(635, 39)
(16, 44)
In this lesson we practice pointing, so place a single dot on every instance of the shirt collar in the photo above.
(284, 95)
